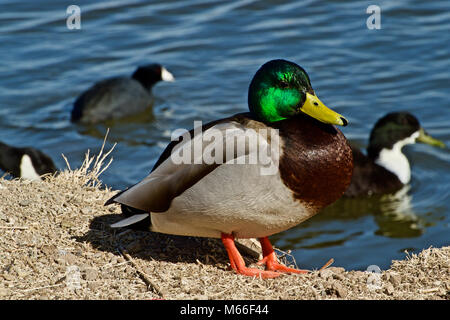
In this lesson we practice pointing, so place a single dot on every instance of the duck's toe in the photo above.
(254, 272)
(271, 261)
(272, 264)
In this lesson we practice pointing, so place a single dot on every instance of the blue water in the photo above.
(213, 48)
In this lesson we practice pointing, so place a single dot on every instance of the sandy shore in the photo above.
(56, 243)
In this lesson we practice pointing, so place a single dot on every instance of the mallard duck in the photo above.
(385, 169)
(239, 200)
(26, 163)
(118, 97)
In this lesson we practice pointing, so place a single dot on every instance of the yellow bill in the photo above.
(316, 109)
(426, 138)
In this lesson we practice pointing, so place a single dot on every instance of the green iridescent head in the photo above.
(281, 89)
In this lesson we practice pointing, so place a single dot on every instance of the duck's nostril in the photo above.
(316, 104)
(344, 121)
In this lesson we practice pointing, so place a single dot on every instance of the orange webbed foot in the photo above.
(272, 264)
(271, 261)
(238, 264)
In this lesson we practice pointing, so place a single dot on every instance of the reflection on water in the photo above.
(393, 213)
(120, 127)
(396, 218)
(393, 216)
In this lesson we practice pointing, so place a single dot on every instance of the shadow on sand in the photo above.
(155, 246)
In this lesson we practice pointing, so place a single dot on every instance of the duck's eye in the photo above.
(284, 84)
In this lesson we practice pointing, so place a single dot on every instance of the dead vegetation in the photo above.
(56, 243)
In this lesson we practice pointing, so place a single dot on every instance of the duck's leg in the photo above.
(271, 261)
(237, 262)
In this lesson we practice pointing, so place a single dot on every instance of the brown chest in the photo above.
(316, 162)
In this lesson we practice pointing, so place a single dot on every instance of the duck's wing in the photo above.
(195, 156)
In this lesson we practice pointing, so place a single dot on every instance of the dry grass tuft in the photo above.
(89, 172)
